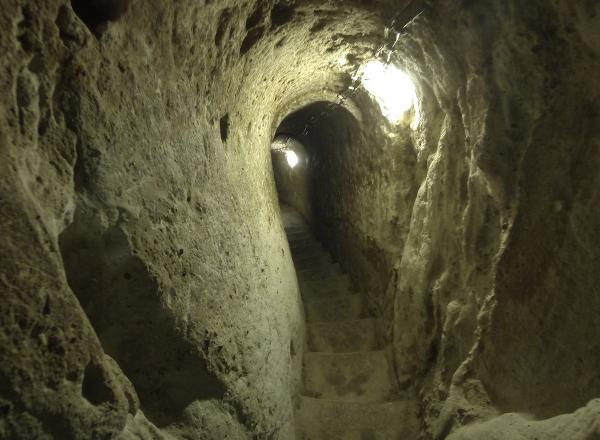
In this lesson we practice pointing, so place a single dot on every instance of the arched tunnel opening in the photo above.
(299, 219)
(347, 359)
(308, 153)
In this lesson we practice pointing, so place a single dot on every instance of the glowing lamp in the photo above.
(393, 89)
(292, 158)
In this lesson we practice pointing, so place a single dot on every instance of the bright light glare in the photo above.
(292, 158)
(392, 89)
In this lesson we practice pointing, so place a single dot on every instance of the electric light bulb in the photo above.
(393, 89)
(292, 158)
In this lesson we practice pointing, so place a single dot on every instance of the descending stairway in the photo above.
(350, 390)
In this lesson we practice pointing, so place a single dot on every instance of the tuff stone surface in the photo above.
(473, 235)
(147, 287)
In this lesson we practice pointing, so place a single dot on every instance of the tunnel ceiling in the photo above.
(294, 60)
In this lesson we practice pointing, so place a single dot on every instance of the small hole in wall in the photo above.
(256, 17)
(96, 14)
(223, 25)
(224, 125)
(280, 43)
(292, 348)
(319, 25)
(252, 37)
(46, 309)
(281, 14)
(5, 409)
(94, 387)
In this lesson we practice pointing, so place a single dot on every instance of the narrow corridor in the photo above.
(350, 390)
(434, 274)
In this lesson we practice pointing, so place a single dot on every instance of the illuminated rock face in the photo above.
(146, 281)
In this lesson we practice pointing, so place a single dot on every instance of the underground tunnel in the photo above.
(300, 219)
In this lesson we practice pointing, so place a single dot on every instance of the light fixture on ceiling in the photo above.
(292, 158)
(393, 89)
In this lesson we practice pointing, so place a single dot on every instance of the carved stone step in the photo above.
(343, 336)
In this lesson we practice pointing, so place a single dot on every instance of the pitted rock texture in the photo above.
(473, 235)
(139, 214)
(147, 285)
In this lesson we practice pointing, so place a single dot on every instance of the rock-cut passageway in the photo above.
(438, 280)
(350, 390)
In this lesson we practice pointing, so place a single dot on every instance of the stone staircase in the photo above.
(350, 390)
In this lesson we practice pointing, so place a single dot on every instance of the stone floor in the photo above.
(350, 390)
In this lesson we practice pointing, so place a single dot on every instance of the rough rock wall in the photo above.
(495, 291)
(144, 270)
(119, 162)
(146, 280)
(364, 213)
(502, 226)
